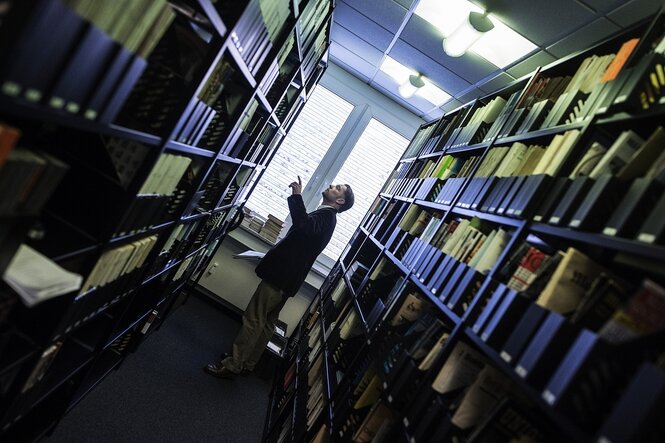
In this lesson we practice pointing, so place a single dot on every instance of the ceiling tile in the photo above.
(434, 114)
(529, 65)
(348, 59)
(386, 82)
(451, 105)
(362, 26)
(602, 5)
(469, 95)
(593, 32)
(364, 29)
(420, 34)
(386, 13)
(542, 22)
(398, 100)
(406, 3)
(345, 38)
(416, 60)
(496, 83)
(634, 11)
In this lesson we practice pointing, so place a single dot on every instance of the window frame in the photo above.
(367, 104)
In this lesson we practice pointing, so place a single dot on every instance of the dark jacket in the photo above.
(287, 264)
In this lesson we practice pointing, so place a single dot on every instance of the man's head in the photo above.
(339, 196)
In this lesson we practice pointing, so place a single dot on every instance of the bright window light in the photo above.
(305, 145)
(366, 170)
(401, 73)
(501, 46)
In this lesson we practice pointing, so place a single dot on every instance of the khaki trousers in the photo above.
(258, 324)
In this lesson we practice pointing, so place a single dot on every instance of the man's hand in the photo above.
(296, 187)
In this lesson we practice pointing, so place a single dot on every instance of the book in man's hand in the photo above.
(250, 255)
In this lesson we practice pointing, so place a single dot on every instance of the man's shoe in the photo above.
(220, 371)
(225, 355)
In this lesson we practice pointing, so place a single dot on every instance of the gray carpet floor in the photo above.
(161, 394)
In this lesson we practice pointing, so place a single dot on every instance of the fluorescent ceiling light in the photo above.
(411, 86)
(433, 93)
(501, 46)
(401, 73)
(396, 70)
(446, 16)
(469, 32)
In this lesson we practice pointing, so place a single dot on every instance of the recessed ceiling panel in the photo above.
(434, 114)
(592, 33)
(421, 34)
(367, 28)
(496, 83)
(387, 83)
(355, 44)
(362, 26)
(451, 105)
(348, 59)
(406, 3)
(384, 12)
(525, 67)
(395, 96)
(542, 22)
(469, 95)
(416, 60)
(634, 11)
(603, 5)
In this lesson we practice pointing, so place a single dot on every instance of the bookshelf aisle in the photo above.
(508, 282)
(131, 134)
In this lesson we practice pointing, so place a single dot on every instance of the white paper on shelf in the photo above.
(36, 278)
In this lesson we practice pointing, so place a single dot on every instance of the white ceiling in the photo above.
(364, 32)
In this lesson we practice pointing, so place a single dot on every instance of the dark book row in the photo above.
(114, 324)
(447, 319)
(69, 78)
(108, 184)
(522, 334)
(27, 179)
(251, 33)
(624, 204)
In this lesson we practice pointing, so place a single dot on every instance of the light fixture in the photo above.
(400, 75)
(409, 87)
(466, 34)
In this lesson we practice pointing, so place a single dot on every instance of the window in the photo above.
(302, 150)
(346, 133)
(366, 169)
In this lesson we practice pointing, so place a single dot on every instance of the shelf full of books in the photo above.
(130, 138)
(508, 283)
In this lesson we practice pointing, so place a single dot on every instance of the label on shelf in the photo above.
(521, 371)
(549, 397)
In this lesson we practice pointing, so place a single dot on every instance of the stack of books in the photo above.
(272, 228)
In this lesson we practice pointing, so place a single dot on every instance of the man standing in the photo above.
(282, 272)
